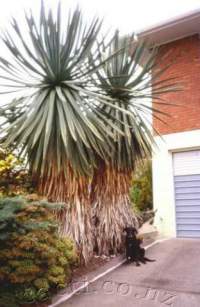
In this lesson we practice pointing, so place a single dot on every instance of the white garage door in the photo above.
(187, 193)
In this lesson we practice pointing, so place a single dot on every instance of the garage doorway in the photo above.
(186, 167)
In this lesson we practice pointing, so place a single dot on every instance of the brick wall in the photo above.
(185, 54)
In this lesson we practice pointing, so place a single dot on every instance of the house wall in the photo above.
(184, 56)
(163, 183)
(182, 131)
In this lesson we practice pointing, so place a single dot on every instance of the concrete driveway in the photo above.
(173, 280)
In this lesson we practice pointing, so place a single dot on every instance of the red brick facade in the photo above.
(186, 67)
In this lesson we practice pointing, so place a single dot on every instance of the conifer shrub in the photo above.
(34, 261)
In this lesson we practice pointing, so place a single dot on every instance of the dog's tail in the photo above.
(149, 260)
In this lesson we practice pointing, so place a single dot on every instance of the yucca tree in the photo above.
(127, 80)
(50, 70)
(80, 119)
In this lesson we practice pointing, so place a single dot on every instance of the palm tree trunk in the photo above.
(111, 208)
(75, 218)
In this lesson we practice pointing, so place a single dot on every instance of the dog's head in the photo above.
(131, 232)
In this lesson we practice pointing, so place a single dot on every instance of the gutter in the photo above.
(192, 15)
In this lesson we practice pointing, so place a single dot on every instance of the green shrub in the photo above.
(34, 261)
(14, 177)
(141, 188)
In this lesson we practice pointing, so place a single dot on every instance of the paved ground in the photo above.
(173, 280)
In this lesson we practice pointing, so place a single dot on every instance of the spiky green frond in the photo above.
(127, 79)
(50, 69)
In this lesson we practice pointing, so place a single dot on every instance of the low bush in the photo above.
(34, 260)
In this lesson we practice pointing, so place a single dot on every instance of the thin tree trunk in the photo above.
(111, 208)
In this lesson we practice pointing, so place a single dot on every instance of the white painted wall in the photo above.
(163, 184)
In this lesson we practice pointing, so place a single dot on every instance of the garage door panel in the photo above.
(188, 196)
(187, 178)
(187, 220)
(186, 190)
(189, 234)
(187, 163)
(187, 184)
(188, 209)
(187, 202)
(190, 227)
(187, 214)
(187, 193)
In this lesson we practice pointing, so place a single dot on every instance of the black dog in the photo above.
(134, 252)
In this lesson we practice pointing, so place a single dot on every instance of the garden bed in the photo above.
(98, 267)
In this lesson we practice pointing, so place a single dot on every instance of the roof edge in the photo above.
(177, 20)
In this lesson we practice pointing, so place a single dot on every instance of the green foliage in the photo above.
(69, 115)
(78, 101)
(141, 189)
(54, 122)
(14, 177)
(34, 261)
(120, 79)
